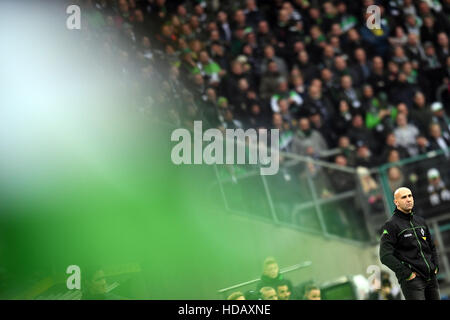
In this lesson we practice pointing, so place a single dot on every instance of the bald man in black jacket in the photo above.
(407, 249)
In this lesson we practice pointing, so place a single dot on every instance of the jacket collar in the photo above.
(403, 215)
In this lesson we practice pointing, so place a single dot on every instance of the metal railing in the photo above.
(301, 195)
(295, 197)
(443, 248)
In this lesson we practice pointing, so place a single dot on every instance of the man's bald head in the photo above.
(400, 191)
(403, 199)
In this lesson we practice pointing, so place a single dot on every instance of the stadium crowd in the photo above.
(312, 69)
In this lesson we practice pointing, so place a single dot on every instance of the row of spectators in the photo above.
(273, 286)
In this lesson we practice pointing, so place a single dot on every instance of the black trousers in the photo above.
(421, 289)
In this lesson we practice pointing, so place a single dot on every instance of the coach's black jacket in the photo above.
(406, 246)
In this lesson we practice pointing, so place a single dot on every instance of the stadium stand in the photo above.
(361, 111)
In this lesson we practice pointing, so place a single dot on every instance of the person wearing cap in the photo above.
(438, 193)
(439, 116)
(407, 248)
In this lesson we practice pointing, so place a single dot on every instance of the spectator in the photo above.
(285, 132)
(265, 34)
(420, 114)
(312, 292)
(229, 85)
(395, 289)
(242, 99)
(353, 41)
(95, 285)
(224, 27)
(402, 109)
(268, 293)
(370, 191)
(443, 47)
(284, 292)
(284, 28)
(343, 119)
(229, 122)
(308, 69)
(269, 55)
(413, 24)
(393, 156)
(340, 67)
(429, 29)
(380, 116)
(409, 8)
(240, 20)
(347, 21)
(271, 276)
(440, 117)
(347, 150)
(431, 66)
(298, 85)
(209, 68)
(341, 181)
(438, 193)
(252, 14)
(378, 78)
(414, 49)
(270, 81)
(317, 123)
(401, 90)
(315, 101)
(399, 55)
(330, 88)
(348, 93)
(219, 55)
(396, 178)
(236, 296)
(319, 178)
(376, 38)
(364, 156)
(257, 118)
(359, 134)
(391, 144)
(399, 37)
(437, 141)
(423, 145)
(285, 112)
(384, 293)
(361, 67)
(406, 134)
(410, 73)
(293, 99)
(307, 137)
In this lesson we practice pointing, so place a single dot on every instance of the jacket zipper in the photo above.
(420, 248)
